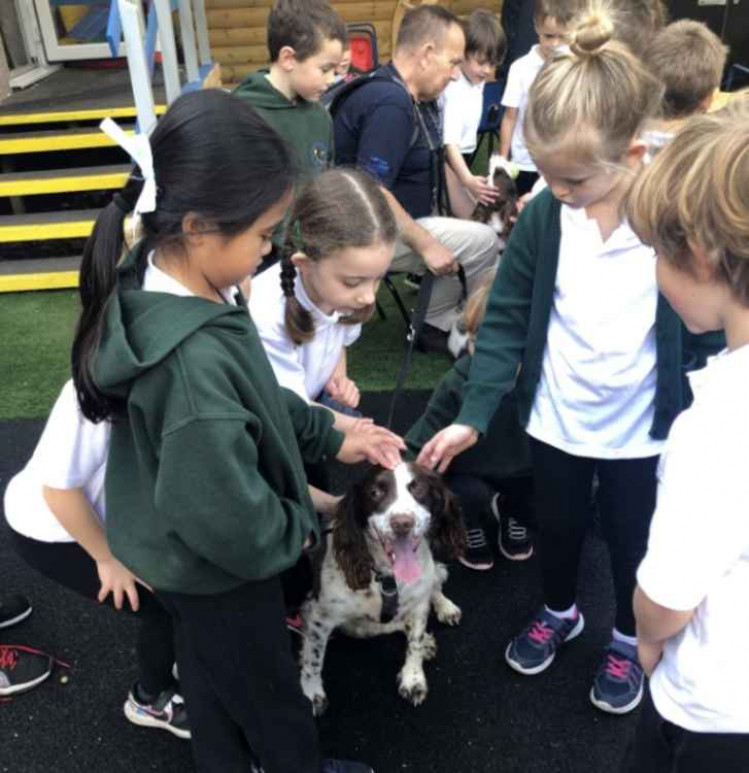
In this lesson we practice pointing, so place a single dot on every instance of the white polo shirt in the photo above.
(596, 395)
(523, 72)
(307, 368)
(698, 553)
(71, 453)
(464, 104)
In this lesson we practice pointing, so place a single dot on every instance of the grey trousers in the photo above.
(476, 248)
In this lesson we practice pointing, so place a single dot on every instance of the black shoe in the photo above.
(13, 610)
(478, 554)
(22, 668)
(166, 711)
(432, 340)
(344, 766)
(513, 540)
(413, 281)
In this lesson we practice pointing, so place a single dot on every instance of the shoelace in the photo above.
(618, 667)
(8, 658)
(540, 632)
(517, 532)
(475, 538)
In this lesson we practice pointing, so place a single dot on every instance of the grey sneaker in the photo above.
(512, 537)
(533, 650)
(22, 668)
(618, 685)
(167, 711)
(13, 609)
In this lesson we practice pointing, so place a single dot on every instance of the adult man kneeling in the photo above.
(391, 126)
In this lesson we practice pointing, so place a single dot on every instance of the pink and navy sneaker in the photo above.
(618, 686)
(534, 649)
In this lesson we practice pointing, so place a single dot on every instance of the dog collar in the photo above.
(389, 596)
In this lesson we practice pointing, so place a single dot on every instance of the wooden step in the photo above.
(46, 141)
(41, 226)
(94, 178)
(39, 274)
(61, 116)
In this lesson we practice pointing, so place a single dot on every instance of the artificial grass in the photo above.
(37, 330)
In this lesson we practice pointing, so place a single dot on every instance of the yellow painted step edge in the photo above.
(63, 184)
(22, 119)
(53, 280)
(40, 232)
(8, 146)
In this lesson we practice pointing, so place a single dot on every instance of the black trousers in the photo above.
(68, 564)
(626, 498)
(475, 495)
(659, 746)
(241, 682)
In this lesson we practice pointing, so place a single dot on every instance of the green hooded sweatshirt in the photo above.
(205, 482)
(306, 126)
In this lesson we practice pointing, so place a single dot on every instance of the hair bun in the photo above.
(592, 33)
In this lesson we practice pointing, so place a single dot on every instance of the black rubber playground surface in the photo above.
(479, 716)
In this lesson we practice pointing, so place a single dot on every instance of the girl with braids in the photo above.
(207, 500)
(309, 307)
(575, 326)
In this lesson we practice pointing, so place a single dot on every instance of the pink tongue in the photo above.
(405, 567)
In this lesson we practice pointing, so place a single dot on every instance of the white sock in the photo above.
(619, 636)
(565, 614)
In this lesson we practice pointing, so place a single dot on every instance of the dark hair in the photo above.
(424, 24)
(485, 38)
(213, 157)
(337, 209)
(304, 25)
(561, 10)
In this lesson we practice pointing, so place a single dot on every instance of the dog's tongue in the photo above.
(405, 566)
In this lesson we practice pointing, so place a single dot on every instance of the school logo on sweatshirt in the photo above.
(320, 156)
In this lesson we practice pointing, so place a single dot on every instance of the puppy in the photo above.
(499, 215)
(379, 574)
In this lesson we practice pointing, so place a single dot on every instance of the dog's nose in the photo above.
(402, 524)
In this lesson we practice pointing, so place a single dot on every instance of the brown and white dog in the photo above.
(379, 574)
(499, 215)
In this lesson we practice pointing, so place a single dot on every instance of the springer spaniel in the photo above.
(499, 215)
(379, 575)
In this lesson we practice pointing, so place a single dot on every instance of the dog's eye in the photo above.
(419, 489)
(376, 492)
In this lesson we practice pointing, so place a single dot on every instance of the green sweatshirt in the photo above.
(306, 126)
(205, 483)
(501, 453)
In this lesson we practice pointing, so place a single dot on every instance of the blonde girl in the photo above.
(576, 328)
(692, 600)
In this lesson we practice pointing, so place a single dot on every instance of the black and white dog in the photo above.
(379, 574)
(499, 215)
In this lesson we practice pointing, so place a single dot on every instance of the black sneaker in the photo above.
(22, 668)
(14, 609)
(345, 766)
(166, 711)
(478, 554)
(512, 537)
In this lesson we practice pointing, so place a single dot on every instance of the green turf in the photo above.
(37, 329)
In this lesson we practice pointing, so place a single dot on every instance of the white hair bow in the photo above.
(139, 149)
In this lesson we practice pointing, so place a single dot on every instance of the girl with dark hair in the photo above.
(207, 501)
(309, 307)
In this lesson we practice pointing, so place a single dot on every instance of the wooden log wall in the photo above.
(238, 39)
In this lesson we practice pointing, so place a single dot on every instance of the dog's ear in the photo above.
(447, 536)
(349, 542)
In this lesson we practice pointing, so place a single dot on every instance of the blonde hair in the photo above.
(597, 94)
(473, 315)
(697, 192)
(689, 58)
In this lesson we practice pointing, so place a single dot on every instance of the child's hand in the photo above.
(446, 445)
(344, 390)
(366, 441)
(481, 190)
(649, 655)
(118, 580)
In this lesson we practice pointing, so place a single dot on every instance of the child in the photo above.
(551, 20)
(574, 324)
(500, 462)
(464, 102)
(310, 307)
(689, 59)
(55, 508)
(692, 599)
(206, 496)
(306, 39)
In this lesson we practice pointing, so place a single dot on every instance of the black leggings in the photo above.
(68, 564)
(626, 498)
(475, 496)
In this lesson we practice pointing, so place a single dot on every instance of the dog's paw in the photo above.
(447, 612)
(412, 686)
(429, 646)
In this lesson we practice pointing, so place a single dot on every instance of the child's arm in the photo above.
(477, 186)
(506, 129)
(73, 511)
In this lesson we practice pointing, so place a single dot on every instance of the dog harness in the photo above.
(389, 596)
